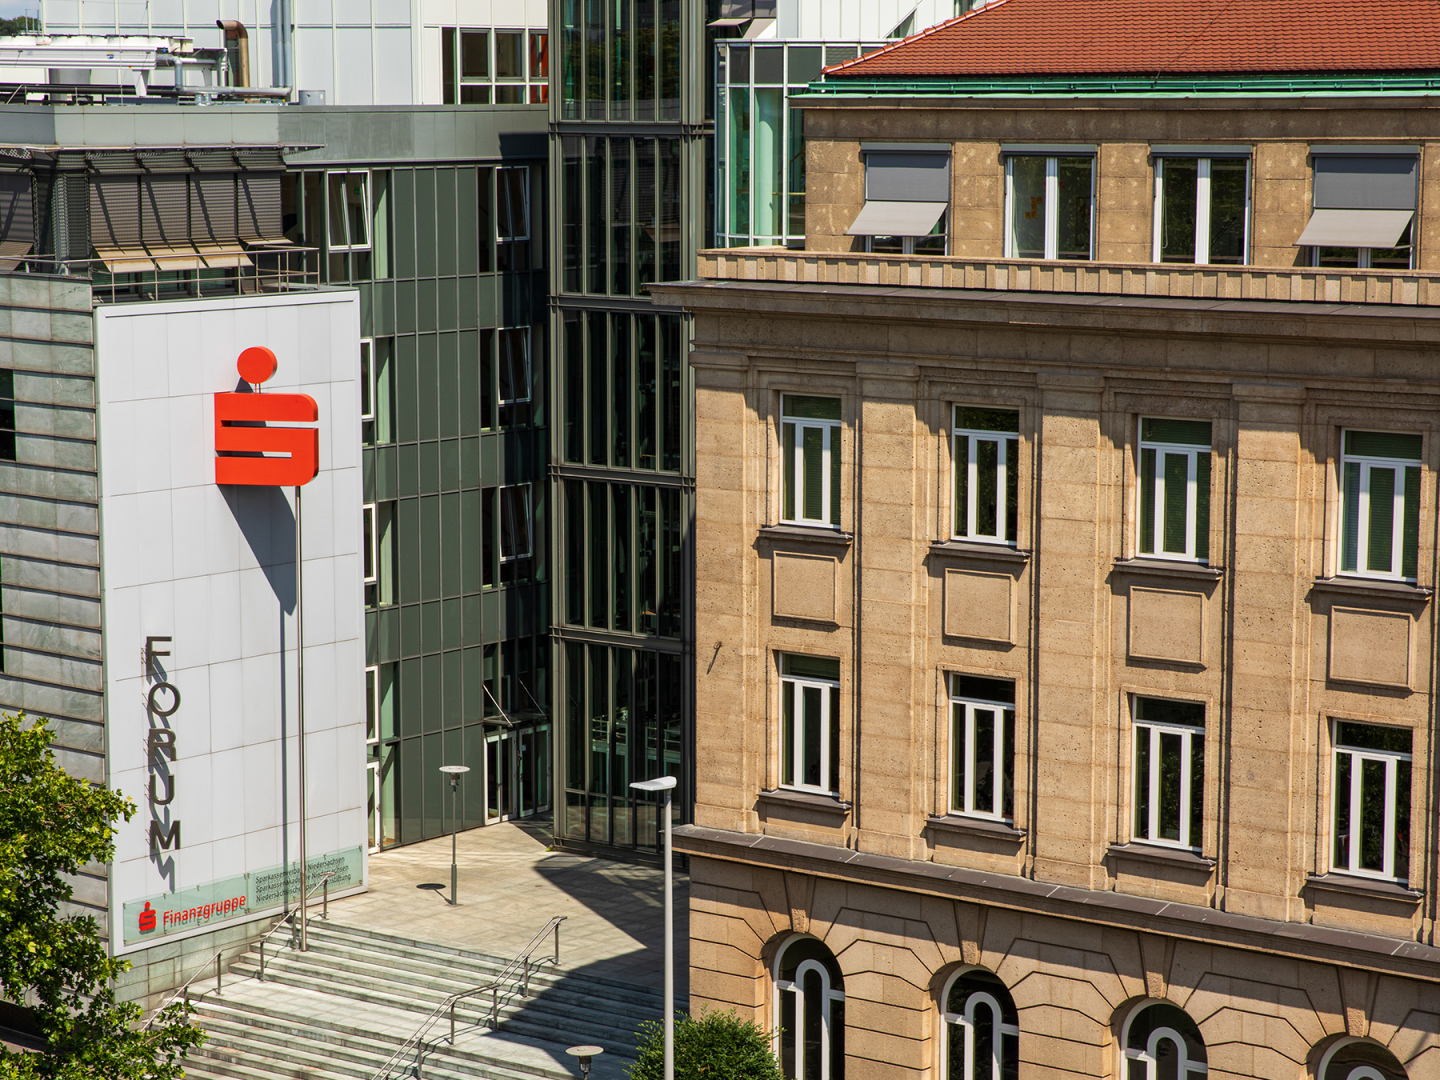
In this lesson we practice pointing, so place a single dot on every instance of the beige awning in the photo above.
(1355, 228)
(175, 257)
(222, 256)
(125, 260)
(10, 250)
(896, 219)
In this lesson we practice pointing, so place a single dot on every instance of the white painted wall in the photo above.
(856, 20)
(184, 558)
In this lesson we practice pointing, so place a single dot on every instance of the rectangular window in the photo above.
(810, 723)
(1370, 801)
(349, 210)
(503, 67)
(810, 450)
(512, 218)
(986, 448)
(7, 415)
(1202, 210)
(1380, 504)
(372, 705)
(371, 542)
(982, 747)
(1049, 207)
(1364, 208)
(515, 522)
(1173, 474)
(1169, 764)
(367, 380)
(514, 364)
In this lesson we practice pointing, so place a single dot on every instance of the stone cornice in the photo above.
(1300, 941)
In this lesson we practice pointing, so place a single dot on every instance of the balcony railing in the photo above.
(1303, 284)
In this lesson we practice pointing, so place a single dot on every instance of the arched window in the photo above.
(1162, 1043)
(810, 1011)
(1355, 1059)
(982, 1029)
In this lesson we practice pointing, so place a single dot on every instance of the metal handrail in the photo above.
(289, 916)
(521, 963)
(184, 990)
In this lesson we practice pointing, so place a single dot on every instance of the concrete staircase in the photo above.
(340, 1010)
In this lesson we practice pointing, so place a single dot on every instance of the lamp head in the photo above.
(660, 783)
(454, 772)
(585, 1053)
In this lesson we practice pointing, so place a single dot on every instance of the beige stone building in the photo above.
(1066, 548)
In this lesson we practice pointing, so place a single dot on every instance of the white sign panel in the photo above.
(199, 601)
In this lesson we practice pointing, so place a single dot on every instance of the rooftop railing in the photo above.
(1323, 285)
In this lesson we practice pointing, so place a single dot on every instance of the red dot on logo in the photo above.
(256, 364)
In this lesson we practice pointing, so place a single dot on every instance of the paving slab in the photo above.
(510, 884)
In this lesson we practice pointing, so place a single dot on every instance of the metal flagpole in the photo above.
(300, 722)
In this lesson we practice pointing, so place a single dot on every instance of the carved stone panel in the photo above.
(804, 586)
(980, 605)
(1167, 624)
(1371, 647)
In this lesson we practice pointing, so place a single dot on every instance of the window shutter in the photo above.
(1366, 183)
(813, 446)
(77, 216)
(1177, 478)
(788, 486)
(1410, 538)
(1350, 518)
(259, 201)
(899, 176)
(962, 485)
(212, 207)
(164, 210)
(1202, 509)
(835, 477)
(1382, 519)
(114, 211)
(17, 209)
(1147, 502)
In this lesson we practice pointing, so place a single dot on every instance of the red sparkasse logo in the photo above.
(241, 429)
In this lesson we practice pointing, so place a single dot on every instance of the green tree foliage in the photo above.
(717, 1046)
(21, 24)
(51, 825)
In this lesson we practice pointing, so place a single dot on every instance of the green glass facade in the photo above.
(629, 144)
(450, 260)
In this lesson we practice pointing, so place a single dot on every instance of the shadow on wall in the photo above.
(267, 520)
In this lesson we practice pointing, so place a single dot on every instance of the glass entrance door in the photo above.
(517, 773)
(500, 785)
(372, 785)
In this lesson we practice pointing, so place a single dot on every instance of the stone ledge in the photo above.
(1197, 572)
(1371, 589)
(818, 534)
(975, 826)
(1166, 856)
(1361, 886)
(826, 804)
(1301, 941)
(968, 549)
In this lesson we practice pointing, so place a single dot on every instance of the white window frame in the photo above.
(349, 244)
(1391, 760)
(367, 379)
(1052, 204)
(372, 705)
(1192, 741)
(966, 799)
(525, 333)
(907, 243)
(830, 994)
(1367, 462)
(1185, 1068)
(1157, 540)
(525, 204)
(1202, 209)
(965, 1022)
(1357, 1072)
(795, 482)
(972, 479)
(528, 505)
(370, 533)
(793, 687)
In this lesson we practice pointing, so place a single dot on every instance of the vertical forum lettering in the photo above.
(161, 702)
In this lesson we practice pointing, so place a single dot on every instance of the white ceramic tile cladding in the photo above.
(187, 559)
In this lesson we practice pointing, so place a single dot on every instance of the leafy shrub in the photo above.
(717, 1046)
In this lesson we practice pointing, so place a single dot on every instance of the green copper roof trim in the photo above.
(1132, 85)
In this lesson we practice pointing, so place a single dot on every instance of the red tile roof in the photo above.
(1166, 37)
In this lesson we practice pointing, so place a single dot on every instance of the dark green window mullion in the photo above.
(597, 389)
(574, 495)
(621, 380)
(571, 60)
(646, 49)
(621, 36)
(597, 565)
(574, 345)
(646, 373)
(646, 234)
(595, 59)
(647, 560)
(621, 532)
(595, 211)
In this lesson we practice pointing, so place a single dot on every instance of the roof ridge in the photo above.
(915, 37)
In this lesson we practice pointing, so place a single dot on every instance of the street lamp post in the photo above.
(667, 785)
(454, 772)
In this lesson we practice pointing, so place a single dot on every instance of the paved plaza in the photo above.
(510, 884)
